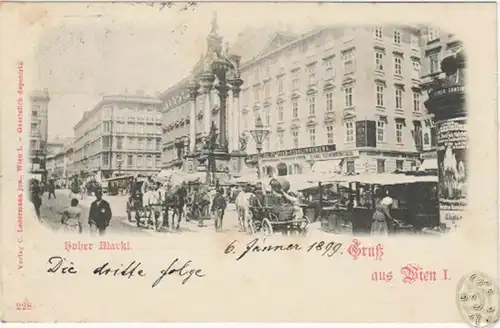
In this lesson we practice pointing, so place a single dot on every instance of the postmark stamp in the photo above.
(478, 300)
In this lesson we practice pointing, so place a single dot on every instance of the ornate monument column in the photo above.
(237, 154)
(223, 90)
(190, 165)
(207, 83)
(448, 104)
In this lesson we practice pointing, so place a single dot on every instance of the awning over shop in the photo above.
(429, 164)
(383, 178)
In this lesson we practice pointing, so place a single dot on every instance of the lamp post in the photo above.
(120, 163)
(259, 134)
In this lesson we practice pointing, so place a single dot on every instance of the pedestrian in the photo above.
(219, 204)
(35, 197)
(52, 188)
(99, 214)
(71, 218)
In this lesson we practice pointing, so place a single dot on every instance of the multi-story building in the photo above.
(436, 44)
(338, 99)
(38, 133)
(342, 99)
(59, 152)
(121, 134)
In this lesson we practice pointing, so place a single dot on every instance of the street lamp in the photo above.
(120, 162)
(259, 134)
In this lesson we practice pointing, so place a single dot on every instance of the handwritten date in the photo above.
(257, 245)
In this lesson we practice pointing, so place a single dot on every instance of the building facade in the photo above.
(436, 44)
(38, 133)
(343, 99)
(120, 135)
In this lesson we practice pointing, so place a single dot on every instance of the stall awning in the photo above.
(429, 164)
(384, 178)
(326, 167)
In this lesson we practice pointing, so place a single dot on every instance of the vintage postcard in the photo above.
(249, 162)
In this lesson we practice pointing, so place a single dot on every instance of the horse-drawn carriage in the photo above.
(269, 213)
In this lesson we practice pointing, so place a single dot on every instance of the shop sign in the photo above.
(452, 164)
(295, 152)
(336, 154)
(442, 92)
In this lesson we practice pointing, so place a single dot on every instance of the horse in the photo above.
(175, 198)
(243, 209)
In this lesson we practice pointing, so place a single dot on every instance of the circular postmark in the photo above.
(478, 300)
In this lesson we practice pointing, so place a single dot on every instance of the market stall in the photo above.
(414, 198)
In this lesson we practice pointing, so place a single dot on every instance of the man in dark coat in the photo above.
(35, 197)
(99, 214)
(219, 205)
(52, 188)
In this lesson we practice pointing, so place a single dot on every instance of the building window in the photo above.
(267, 115)
(312, 105)
(348, 58)
(149, 161)
(130, 160)
(380, 131)
(350, 168)
(378, 32)
(399, 164)
(34, 128)
(140, 161)
(267, 90)
(379, 61)
(380, 95)
(416, 70)
(330, 134)
(349, 132)
(34, 113)
(281, 141)
(348, 97)
(426, 139)
(434, 63)
(380, 165)
(414, 42)
(119, 143)
(396, 37)
(416, 102)
(158, 144)
(280, 85)
(149, 144)
(433, 136)
(329, 67)
(399, 98)
(434, 34)
(295, 79)
(257, 75)
(140, 143)
(295, 108)
(280, 112)
(398, 66)
(105, 159)
(256, 94)
(158, 161)
(33, 145)
(399, 133)
(295, 138)
(329, 101)
(311, 70)
(312, 137)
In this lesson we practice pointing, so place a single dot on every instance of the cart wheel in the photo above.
(304, 226)
(267, 228)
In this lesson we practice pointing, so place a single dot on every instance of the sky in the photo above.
(91, 51)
